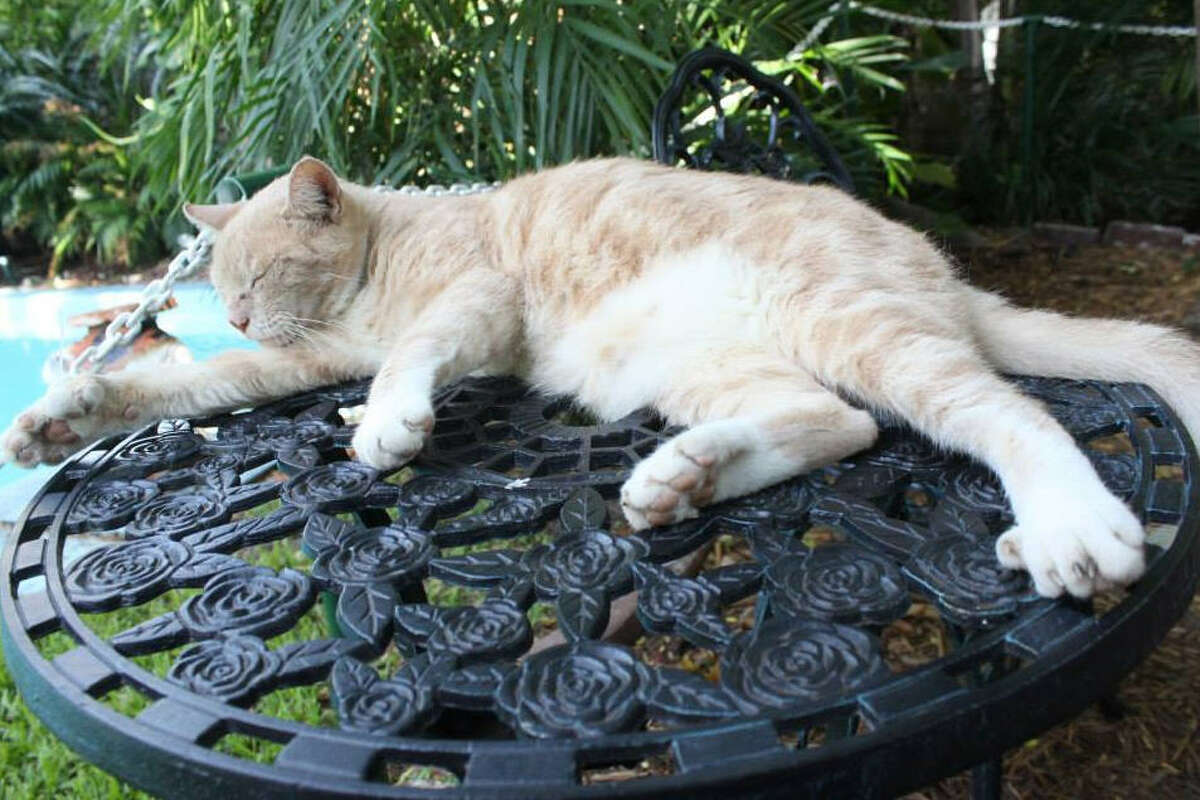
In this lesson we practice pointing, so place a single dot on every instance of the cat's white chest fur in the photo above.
(687, 306)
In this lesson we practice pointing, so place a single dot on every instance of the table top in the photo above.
(344, 626)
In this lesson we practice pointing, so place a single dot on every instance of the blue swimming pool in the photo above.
(33, 324)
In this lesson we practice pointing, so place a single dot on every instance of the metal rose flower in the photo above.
(438, 491)
(366, 703)
(582, 689)
(838, 582)
(252, 600)
(588, 560)
(395, 555)
(493, 629)
(125, 573)
(109, 504)
(786, 662)
(215, 464)
(329, 487)
(285, 435)
(161, 450)
(661, 603)
(970, 585)
(231, 669)
(977, 489)
(179, 514)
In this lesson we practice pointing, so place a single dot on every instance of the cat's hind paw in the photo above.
(669, 486)
(1079, 548)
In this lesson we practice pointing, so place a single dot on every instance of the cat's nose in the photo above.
(239, 321)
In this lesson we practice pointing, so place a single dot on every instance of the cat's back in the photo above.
(579, 230)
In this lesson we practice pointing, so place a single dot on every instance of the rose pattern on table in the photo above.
(125, 574)
(179, 498)
(105, 505)
(179, 513)
(155, 452)
(285, 436)
(968, 582)
(249, 600)
(786, 663)
(393, 555)
(585, 689)
(581, 573)
(495, 629)
(691, 607)
(1120, 472)
(365, 702)
(977, 489)
(838, 582)
(368, 569)
(332, 487)
(591, 688)
(231, 669)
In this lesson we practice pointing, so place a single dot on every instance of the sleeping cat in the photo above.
(744, 308)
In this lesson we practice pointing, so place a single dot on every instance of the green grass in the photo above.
(35, 764)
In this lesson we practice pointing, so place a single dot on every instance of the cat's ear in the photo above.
(211, 218)
(313, 192)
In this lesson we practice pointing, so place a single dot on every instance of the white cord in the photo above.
(980, 25)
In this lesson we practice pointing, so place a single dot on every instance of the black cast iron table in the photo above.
(513, 499)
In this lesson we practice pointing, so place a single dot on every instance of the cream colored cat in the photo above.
(739, 306)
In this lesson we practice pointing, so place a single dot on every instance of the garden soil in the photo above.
(1154, 749)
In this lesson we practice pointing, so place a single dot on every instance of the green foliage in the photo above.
(1115, 130)
(62, 184)
(438, 90)
(1113, 119)
(181, 93)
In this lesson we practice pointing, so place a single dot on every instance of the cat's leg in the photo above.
(83, 408)
(1071, 533)
(474, 323)
(755, 421)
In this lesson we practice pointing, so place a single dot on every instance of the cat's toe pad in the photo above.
(668, 487)
(1079, 550)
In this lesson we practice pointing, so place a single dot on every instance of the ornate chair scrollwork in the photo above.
(719, 112)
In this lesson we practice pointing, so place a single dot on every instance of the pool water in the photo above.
(33, 324)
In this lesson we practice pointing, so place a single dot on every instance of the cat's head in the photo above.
(288, 261)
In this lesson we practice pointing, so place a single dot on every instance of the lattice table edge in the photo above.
(924, 723)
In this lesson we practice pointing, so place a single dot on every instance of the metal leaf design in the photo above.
(301, 662)
(365, 611)
(581, 614)
(584, 509)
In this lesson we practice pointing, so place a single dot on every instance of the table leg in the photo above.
(987, 779)
(1111, 707)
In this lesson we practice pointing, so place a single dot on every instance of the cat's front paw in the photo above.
(72, 412)
(387, 438)
(1085, 544)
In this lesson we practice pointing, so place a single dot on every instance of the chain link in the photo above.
(980, 25)
(126, 326)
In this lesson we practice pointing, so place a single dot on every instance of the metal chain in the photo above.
(437, 190)
(963, 25)
(126, 326)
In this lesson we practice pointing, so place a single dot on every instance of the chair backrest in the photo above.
(719, 112)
